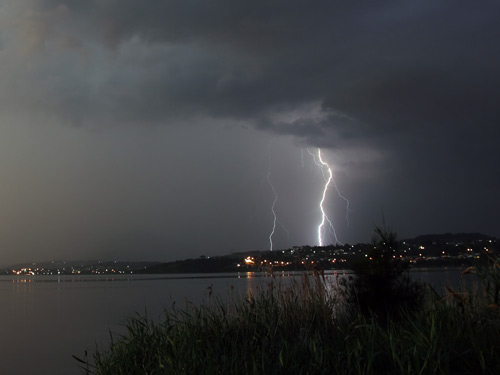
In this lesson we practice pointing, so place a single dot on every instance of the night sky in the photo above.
(153, 130)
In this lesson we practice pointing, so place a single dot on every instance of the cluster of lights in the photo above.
(27, 271)
(251, 261)
(335, 260)
(24, 271)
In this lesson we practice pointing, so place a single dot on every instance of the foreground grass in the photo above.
(308, 328)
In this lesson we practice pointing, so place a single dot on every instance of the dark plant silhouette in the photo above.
(382, 285)
(489, 276)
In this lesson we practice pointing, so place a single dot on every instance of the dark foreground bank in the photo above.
(312, 327)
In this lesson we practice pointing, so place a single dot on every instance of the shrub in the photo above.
(382, 284)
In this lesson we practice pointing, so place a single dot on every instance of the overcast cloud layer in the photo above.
(147, 130)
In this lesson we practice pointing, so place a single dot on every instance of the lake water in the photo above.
(44, 320)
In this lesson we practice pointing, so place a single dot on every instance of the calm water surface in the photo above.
(44, 320)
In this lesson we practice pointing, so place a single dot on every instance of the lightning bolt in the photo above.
(275, 200)
(328, 177)
(347, 209)
(324, 217)
(272, 208)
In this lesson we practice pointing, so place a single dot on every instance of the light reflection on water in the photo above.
(44, 320)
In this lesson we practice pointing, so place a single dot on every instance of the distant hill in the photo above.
(200, 265)
(82, 266)
(444, 238)
(434, 244)
(85, 263)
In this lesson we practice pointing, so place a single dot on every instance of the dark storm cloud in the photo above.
(387, 66)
